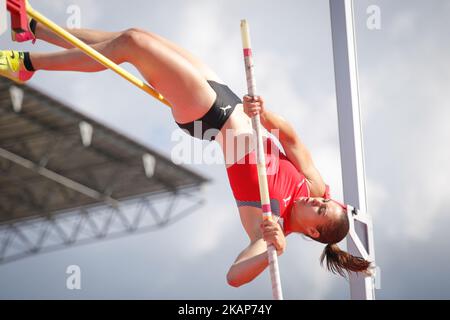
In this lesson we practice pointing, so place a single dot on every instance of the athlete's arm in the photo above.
(253, 259)
(294, 148)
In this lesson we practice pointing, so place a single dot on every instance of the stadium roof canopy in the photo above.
(55, 160)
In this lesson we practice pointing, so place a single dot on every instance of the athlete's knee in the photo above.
(133, 37)
(128, 43)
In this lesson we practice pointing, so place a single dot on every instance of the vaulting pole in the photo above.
(261, 162)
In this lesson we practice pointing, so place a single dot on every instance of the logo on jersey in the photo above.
(286, 200)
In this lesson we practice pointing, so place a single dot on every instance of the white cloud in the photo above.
(211, 231)
(414, 113)
(404, 24)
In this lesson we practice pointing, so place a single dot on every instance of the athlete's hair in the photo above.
(338, 261)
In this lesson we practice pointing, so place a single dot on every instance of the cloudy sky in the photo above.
(404, 75)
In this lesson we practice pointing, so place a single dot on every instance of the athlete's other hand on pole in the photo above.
(273, 235)
(254, 105)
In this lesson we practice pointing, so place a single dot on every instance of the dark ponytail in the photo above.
(339, 262)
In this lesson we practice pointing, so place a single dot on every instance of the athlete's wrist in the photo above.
(264, 118)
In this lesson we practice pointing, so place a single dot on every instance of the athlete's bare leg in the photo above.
(90, 36)
(175, 77)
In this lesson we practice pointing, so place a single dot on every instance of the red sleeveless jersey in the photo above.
(286, 183)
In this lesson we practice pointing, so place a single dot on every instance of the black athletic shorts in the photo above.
(207, 127)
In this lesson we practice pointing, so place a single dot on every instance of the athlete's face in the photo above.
(312, 213)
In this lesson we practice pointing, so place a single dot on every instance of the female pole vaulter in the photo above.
(206, 108)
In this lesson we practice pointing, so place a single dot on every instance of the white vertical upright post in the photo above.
(360, 239)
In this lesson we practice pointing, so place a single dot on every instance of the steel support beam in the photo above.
(360, 239)
(68, 183)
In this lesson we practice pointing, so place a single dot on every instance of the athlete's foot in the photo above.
(12, 66)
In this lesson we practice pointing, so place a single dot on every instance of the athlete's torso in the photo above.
(285, 182)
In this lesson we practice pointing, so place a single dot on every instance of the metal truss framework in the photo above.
(87, 225)
(61, 187)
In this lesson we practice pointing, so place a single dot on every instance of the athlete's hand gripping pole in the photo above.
(261, 162)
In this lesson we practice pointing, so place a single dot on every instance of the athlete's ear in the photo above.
(313, 232)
